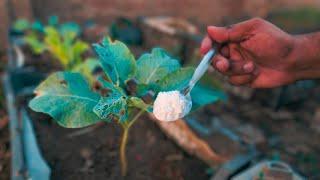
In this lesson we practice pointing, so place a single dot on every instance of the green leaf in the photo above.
(37, 26)
(52, 33)
(53, 20)
(117, 60)
(21, 25)
(155, 66)
(203, 95)
(87, 68)
(55, 46)
(77, 49)
(68, 37)
(113, 105)
(142, 89)
(65, 47)
(108, 85)
(36, 46)
(66, 97)
(139, 103)
(176, 80)
(70, 27)
(211, 81)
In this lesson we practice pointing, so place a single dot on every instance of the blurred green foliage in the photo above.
(35, 44)
(299, 20)
(53, 20)
(21, 25)
(62, 41)
(65, 47)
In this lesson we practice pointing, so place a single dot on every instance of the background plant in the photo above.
(64, 45)
(61, 41)
(24, 26)
(70, 101)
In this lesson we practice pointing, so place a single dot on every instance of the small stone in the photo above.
(85, 153)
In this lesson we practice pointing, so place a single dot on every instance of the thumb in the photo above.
(234, 33)
(218, 34)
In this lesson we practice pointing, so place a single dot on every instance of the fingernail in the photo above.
(222, 66)
(248, 67)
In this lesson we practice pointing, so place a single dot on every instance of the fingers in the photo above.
(231, 61)
(240, 68)
(220, 63)
(248, 67)
(218, 34)
(225, 51)
(229, 67)
(206, 45)
(235, 33)
(235, 52)
(239, 72)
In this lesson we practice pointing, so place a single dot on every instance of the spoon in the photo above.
(200, 70)
(182, 109)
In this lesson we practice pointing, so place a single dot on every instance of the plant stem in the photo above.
(123, 158)
(135, 118)
(124, 140)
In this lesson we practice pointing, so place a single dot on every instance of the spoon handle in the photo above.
(201, 69)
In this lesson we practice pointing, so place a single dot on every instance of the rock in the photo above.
(85, 153)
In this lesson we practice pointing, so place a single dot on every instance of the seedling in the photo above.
(62, 42)
(63, 46)
(24, 25)
(35, 44)
(66, 48)
(70, 101)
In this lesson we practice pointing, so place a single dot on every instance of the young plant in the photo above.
(61, 40)
(70, 101)
(32, 40)
(64, 46)
(24, 25)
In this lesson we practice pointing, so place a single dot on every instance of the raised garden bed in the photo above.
(94, 154)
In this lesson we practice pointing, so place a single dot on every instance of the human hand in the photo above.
(254, 53)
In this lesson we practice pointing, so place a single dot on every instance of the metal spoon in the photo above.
(200, 70)
(198, 73)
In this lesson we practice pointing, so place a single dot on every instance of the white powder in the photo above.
(171, 105)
